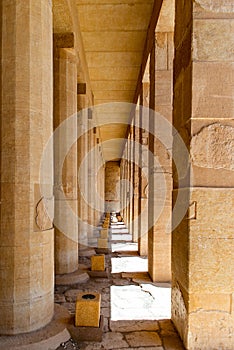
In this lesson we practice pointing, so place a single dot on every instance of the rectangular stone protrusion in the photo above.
(104, 233)
(81, 88)
(102, 243)
(98, 262)
(88, 306)
(64, 40)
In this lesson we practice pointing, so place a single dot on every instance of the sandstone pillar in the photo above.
(65, 106)
(82, 168)
(203, 244)
(135, 175)
(143, 174)
(161, 173)
(112, 195)
(26, 232)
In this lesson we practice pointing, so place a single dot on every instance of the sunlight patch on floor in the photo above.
(129, 264)
(123, 247)
(144, 302)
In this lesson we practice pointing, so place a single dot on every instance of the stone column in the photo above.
(91, 184)
(203, 241)
(160, 230)
(82, 168)
(112, 195)
(135, 175)
(26, 259)
(143, 173)
(65, 106)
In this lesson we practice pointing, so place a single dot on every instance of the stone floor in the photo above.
(131, 333)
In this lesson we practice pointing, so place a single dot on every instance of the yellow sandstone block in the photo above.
(102, 243)
(98, 262)
(87, 309)
(104, 233)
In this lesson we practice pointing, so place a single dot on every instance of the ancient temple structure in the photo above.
(118, 106)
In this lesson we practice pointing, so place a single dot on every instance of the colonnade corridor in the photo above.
(116, 174)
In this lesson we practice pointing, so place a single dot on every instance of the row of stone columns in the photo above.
(189, 228)
(41, 201)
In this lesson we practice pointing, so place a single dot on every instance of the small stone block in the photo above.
(104, 233)
(93, 334)
(102, 243)
(98, 262)
(87, 309)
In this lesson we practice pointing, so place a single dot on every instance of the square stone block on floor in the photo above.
(88, 306)
(104, 233)
(98, 262)
(93, 334)
(102, 243)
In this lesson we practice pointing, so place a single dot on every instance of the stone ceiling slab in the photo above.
(114, 33)
(114, 17)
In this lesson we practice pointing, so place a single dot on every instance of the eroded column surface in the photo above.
(112, 189)
(65, 106)
(203, 244)
(143, 174)
(82, 170)
(135, 175)
(161, 190)
(26, 231)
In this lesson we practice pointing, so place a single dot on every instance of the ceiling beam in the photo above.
(149, 42)
(150, 37)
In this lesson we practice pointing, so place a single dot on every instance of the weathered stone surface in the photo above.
(58, 298)
(135, 325)
(213, 147)
(223, 6)
(114, 340)
(87, 252)
(72, 278)
(92, 334)
(213, 40)
(143, 339)
(172, 343)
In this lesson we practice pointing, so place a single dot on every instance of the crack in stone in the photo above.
(146, 291)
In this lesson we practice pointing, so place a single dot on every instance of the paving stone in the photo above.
(135, 325)
(167, 328)
(149, 348)
(106, 325)
(90, 346)
(105, 311)
(87, 252)
(144, 338)
(76, 277)
(71, 295)
(114, 340)
(59, 298)
(121, 282)
(173, 343)
(84, 267)
(71, 307)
